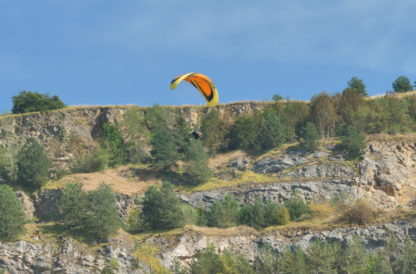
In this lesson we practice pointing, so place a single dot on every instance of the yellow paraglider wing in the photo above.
(202, 82)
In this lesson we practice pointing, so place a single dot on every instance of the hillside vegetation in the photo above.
(277, 167)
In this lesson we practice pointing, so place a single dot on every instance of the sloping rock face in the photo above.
(391, 168)
(185, 246)
(385, 176)
(68, 132)
(65, 256)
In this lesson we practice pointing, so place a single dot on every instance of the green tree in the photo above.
(310, 137)
(267, 261)
(297, 207)
(262, 214)
(181, 135)
(162, 207)
(93, 215)
(320, 257)
(12, 216)
(137, 137)
(32, 165)
(357, 258)
(293, 261)
(323, 114)
(358, 85)
(272, 132)
(348, 105)
(243, 133)
(209, 262)
(402, 84)
(213, 132)
(196, 167)
(224, 213)
(164, 149)
(112, 141)
(293, 115)
(155, 117)
(396, 116)
(93, 161)
(412, 106)
(28, 101)
(352, 144)
(253, 214)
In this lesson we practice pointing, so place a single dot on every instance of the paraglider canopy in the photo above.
(201, 82)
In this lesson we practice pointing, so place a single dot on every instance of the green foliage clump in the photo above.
(352, 144)
(402, 84)
(28, 101)
(396, 119)
(321, 257)
(162, 208)
(213, 132)
(112, 141)
(95, 161)
(137, 137)
(297, 208)
(207, 262)
(323, 114)
(271, 133)
(310, 137)
(358, 85)
(258, 132)
(243, 133)
(93, 215)
(293, 115)
(196, 166)
(12, 215)
(224, 213)
(267, 261)
(32, 165)
(164, 150)
(263, 214)
(348, 105)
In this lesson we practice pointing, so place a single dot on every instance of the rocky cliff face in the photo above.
(71, 131)
(385, 176)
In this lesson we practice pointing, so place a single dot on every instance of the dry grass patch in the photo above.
(220, 160)
(215, 231)
(384, 137)
(125, 179)
(246, 177)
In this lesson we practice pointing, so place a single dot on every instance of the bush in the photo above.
(162, 207)
(164, 150)
(28, 101)
(92, 162)
(32, 165)
(137, 138)
(360, 213)
(224, 213)
(310, 137)
(213, 132)
(243, 133)
(12, 216)
(135, 222)
(352, 144)
(272, 132)
(112, 141)
(297, 207)
(196, 167)
(208, 261)
(358, 85)
(263, 214)
(402, 84)
(93, 215)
